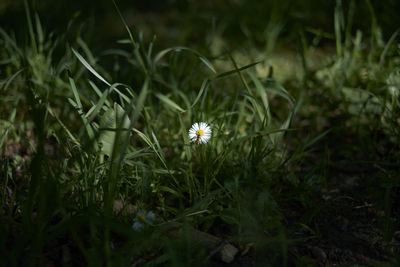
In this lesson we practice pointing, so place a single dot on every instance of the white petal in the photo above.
(204, 139)
(192, 137)
(151, 216)
(137, 226)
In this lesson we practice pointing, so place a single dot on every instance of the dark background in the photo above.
(175, 21)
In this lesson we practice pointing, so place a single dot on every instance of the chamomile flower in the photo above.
(200, 133)
(143, 218)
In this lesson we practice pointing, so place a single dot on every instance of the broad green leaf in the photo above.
(108, 127)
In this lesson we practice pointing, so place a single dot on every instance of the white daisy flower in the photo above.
(200, 133)
(142, 218)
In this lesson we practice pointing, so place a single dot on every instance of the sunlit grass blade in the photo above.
(97, 107)
(70, 135)
(91, 60)
(87, 65)
(155, 146)
(79, 108)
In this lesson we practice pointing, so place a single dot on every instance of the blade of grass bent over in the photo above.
(90, 68)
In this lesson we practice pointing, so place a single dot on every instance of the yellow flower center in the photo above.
(143, 218)
(199, 132)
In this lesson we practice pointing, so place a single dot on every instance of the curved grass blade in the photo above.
(280, 90)
(11, 79)
(204, 85)
(79, 108)
(169, 102)
(10, 41)
(63, 126)
(87, 65)
(387, 46)
(93, 112)
(162, 53)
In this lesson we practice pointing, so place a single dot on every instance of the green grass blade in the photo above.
(39, 31)
(203, 59)
(204, 85)
(87, 51)
(187, 148)
(261, 90)
(338, 27)
(94, 112)
(79, 108)
(11, 42)
(386, 48)
(73, 138)
(224, 74)
(87, 65)
(169, 102)
(9, 81)
(317, 138)
(126, 26)
(30, 27)
(98, 92)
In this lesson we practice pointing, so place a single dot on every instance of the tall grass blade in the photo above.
(30, 27)
(10, 80)
(79, 108)
(169, 102)
(87, 65)
(162, 53)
